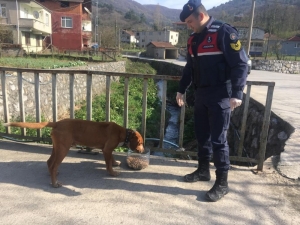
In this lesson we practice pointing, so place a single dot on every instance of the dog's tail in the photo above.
(30, 125)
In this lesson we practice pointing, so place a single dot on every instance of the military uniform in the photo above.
(217, 69)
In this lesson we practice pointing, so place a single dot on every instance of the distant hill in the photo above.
(280, 17)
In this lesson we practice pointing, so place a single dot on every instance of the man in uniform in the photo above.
(216, 69)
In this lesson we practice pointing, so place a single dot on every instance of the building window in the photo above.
(27, 38)
(242, 32)
(47, 19)
(2, 10)
(171, 36)
(25, 13)
(297, 45)
(66, 22)
(64, 4)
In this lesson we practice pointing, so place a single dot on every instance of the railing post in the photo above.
(163, 113)
(54, 97)
(72, 99)
(244, 120)
(89, 80)
(144, 116)
(21, 101)
(265, 128)
(126, 102)
(37, 100)
(107, 98)
(5, 102)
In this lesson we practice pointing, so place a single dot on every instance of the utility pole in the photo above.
(96, 23)
(116, 34)
(250, 28)
(18, 26)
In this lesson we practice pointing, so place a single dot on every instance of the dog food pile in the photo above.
(137, 162)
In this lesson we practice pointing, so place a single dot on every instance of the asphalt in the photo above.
(286, 104)
(156, 194)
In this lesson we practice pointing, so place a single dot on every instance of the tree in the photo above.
(142, 18)
(6, 35)
(131, 15)
(157, 18)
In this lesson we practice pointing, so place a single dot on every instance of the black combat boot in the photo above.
(200, 174)
(219, 189)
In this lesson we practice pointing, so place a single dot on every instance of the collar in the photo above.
(128, 134)
(207, 26)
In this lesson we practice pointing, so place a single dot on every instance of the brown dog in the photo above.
(103, 135)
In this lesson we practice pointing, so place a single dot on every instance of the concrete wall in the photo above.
(63, 97)
(12, 52)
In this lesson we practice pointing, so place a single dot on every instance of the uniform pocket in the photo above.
(224, 103)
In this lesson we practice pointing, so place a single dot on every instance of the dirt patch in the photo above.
(288, 189)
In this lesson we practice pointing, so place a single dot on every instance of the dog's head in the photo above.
(136, 142)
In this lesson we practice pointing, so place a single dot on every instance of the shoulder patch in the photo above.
(236, 46)
(233, 36)
(212, 30)
(215, 26)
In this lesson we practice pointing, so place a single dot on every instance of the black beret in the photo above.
(189, 8)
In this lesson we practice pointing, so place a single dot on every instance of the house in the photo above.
(257, 38)
(28, 20)
(271, 43)
(145, 37)
(71, 23)
(291, 46)
(161, 50)
(128, 37)
(180, 26)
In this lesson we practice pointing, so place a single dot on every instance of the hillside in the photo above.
(280, 17)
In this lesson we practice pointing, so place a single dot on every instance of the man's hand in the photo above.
(179, 99)
(234, 102)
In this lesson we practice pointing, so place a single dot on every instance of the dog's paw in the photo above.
(116, 163)
(114, 173)
(57, 184)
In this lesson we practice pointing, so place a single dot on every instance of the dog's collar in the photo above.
(128, 134)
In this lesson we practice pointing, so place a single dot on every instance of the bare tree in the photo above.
(6, 35)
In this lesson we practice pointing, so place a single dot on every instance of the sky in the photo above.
(178, 4)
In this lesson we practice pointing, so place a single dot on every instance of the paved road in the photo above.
(286, 104)
(156, 195)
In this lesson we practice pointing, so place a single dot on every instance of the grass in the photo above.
(38, 63)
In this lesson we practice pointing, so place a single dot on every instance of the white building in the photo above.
(145, 37)
(29, 21)
(128, 37)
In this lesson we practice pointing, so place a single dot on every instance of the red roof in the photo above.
(129, 32)
(295, 38)
(271, 37)
(161, 44)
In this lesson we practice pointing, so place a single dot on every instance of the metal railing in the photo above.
(89, 97)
